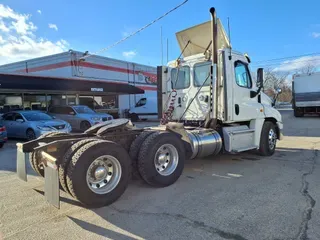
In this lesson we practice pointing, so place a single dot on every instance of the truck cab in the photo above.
(211, 86)
(237, 90)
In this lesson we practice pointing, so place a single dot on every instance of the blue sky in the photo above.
(264, 29)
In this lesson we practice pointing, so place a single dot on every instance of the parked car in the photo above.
(80, 117)
(32, 124)
(3, 135)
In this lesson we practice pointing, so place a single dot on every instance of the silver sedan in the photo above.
(32, 124)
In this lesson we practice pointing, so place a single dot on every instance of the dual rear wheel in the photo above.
(97, 172)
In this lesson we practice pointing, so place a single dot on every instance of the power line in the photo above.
(136, 32)
(284, 58)
(286, 63)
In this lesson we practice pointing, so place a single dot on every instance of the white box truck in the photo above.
(306, 94)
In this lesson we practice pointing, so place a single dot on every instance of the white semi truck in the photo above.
(210, 104)
(306, 94)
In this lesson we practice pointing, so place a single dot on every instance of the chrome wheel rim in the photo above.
(272, 139)
(104, 174)
(166, 159)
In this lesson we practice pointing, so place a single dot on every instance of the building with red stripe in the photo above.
(81, 70)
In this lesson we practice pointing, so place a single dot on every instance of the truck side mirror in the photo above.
(260, 78)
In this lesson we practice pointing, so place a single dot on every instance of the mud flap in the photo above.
(51, 180)
(22, 158)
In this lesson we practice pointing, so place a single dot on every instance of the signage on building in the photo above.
(96, 89)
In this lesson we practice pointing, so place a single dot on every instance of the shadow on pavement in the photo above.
(103, 232)
(121, 216)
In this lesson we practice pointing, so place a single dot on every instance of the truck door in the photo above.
(180, 82)
(193, 97)
(244, 107)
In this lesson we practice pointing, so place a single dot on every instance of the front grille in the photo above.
(59, 127)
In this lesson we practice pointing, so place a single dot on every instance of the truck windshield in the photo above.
(36, 116)
(83, 109)
(201, 74)
(180, 77)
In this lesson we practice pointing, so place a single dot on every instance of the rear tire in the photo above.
(268, 139)
(85, 165)
(63, 168)
(35, 156)
(134, 152)
(298, 113)
(134, 117)
(161, 159)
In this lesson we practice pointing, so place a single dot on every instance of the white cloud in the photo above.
(53, 26)
(316, 34)
(129, 54)
(39, 11)
(18, 39)
(299, 63)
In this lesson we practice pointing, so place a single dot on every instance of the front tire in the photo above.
(84, 126)
(99, 173)
(30, 135)
(268, 139)
(161, 159)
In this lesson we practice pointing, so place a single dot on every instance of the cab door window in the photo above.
(202, 74)
(242, 75)
(180, 77)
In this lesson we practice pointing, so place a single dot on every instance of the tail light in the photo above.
(2, 129)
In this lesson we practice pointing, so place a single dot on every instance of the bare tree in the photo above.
(274, 80)
(307, 69)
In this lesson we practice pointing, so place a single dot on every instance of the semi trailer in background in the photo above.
(306, 94)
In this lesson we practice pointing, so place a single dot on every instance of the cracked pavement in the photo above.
(242, 196)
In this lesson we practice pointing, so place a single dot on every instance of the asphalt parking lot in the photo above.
(243, 196)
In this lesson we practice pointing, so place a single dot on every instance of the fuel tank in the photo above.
(204, 142)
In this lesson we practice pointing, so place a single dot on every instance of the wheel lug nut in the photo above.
(109, 173)
(105, 181)
(109, 165)
(98, 185)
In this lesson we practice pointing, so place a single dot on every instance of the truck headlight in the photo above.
(44, 128)
(98, 119)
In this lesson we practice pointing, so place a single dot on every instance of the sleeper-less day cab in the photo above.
(208, 103)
